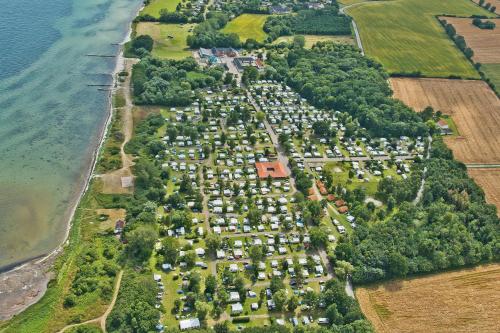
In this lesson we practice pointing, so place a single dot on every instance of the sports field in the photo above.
(155, 6)
(169, 39)
(405, 36)
(248, 26)
(313, 39)
(473, 106)
(454, 302)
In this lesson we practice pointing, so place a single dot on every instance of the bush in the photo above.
(143, 42)
(240, 320)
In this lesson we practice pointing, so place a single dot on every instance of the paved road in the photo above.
(354, 25)
(322, 160)
(282, 157)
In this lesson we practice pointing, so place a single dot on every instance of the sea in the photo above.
(52, 112)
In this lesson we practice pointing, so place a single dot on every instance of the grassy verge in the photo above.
(109, 157)
(409, 38)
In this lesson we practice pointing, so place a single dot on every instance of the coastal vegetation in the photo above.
(166, 82)
(86, 272)
(154, 7)
(409, 38)
(170, 40)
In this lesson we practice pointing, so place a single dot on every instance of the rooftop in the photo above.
(271, 169)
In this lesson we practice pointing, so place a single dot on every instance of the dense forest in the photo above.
(171, 82)
(310, 22)
(338, 77)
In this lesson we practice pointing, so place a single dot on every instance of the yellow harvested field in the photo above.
(484, 42)
(489, 180)
(454, 302)
(473, 106)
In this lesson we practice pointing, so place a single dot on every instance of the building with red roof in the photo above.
(274, 170)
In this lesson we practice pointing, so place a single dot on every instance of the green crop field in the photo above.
(173, 47)
(155, 6)
(492, 72)
(248, 26)
(405, 36)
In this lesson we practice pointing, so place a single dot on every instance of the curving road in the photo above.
(354, 25)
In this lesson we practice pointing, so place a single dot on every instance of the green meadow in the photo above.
(169, 39)
(492, 72)
(405, 36)
(155, 6)
(248, 26)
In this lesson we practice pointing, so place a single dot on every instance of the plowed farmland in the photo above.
(489, 180)
(473, 106)
(460, 301)
(484, 42)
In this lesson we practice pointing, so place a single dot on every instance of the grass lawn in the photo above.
(405, 36)
(156, 6)
(492, 72)
(313, 39)
(165, 47)
(248, 26)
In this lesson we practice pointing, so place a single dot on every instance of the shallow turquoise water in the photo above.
(50, 119)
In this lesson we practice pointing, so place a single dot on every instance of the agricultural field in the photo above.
(169, 39)
(155, 6)
(248, 26)
(489, 180)
(409, 38)
(492, 72)
(484, 42)
(474, 107)
(313, 39)
(459, 301)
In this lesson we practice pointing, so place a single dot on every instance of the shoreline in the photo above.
(31, 276)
